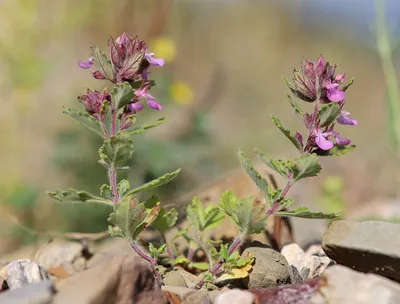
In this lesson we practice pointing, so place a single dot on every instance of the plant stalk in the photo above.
(149, 259)
(215, 269)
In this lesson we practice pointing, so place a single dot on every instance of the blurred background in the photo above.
(219, 86)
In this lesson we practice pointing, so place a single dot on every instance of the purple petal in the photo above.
(154, 104)
(141, 92)
(342, 141)
(86, 64)
(145, 74)
(333, 93)
(154, 61)
(339, 78)
(322, 142)
(320, 64)
(344, 119)
(135, 107)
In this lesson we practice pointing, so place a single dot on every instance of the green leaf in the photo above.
(287, 133)
(72, 196)
(201, 217)
(199, 265)
(224, 252)
(248, 215)
(306, 165)
(278, 165)
(337, 151)
(165, 220)
(351, 81)
(328, 114)
(106, 191)
(123, 187)
(156, 252)
(116, 151)
(304, 212)
(121, 95)
(296, 108)
(155, 183)
(260, 182)
(102, 63)
(87, 120)
(146, 126)
(132, 217)
(152, 249)
(181, 260)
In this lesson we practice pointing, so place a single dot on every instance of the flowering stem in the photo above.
(148, 258)
(285, 190)
(112, 173)
(215, 269)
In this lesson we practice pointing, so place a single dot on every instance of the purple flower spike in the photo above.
(333, 93)
(154, 104)
(154, 61)
(86, 64)
(321, 140)
(344, 119)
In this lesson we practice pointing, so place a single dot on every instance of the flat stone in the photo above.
(21, 272)
(371, 246)
(122, 279)
(343, 285)
(178, 290)
(270, 268)
(174, 278)
(197, 297)
(38, 293)
(61, 253)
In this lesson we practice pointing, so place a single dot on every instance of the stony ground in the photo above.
(357, 262)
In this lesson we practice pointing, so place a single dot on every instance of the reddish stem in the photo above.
(215, 269)
(147, 258)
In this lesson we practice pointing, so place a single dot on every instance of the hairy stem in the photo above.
(112, 174)
(216, 268)
(285, 190)
(147, 258)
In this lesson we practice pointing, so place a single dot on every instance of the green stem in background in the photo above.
(216, 268)
(392, 90)
(171, 256)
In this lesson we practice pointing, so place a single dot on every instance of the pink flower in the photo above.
(344, 119)
(321, 139)
(93, 101)
(151, 101)
(154, 61)
(333, 93)
(86, 64)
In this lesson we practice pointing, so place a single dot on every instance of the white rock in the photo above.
(235, 296)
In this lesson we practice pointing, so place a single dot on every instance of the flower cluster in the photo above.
(129, 62)
(318, 82)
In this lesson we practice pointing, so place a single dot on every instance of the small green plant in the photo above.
(111, 115)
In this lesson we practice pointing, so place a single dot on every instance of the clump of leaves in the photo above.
(111, 115)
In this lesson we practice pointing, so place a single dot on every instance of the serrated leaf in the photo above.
(121, 95)
(146, 126)
(306, 165)
(106, 191)
(87, 120)
(152, 249)
(260, 182)
(115, 231)
(181, 260)
(72, 196)
(123, 187)
(304, 212)
(155, 183)
(296, 108)
(165, 220)
(102, 63)
(247, 214)
(286, 132)
(202, 217)
(328, 114)
(116, 151)
(132, 217)
(276, 165)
